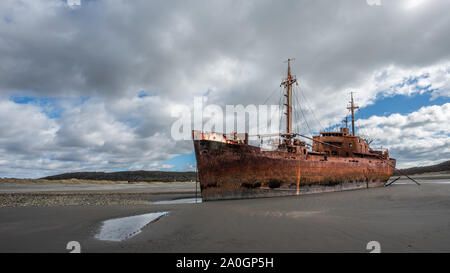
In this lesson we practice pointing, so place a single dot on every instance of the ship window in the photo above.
(304, 152)
(349, 145)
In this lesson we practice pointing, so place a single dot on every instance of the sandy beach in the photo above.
(403, 217)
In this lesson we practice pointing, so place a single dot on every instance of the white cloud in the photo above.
(415, 139)
(92, 136)
(394, 80)
(25, 128)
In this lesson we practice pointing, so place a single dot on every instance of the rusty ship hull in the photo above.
(236, 171)
(230, 168)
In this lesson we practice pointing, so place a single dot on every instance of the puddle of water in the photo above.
(124, 228)
(179, 201)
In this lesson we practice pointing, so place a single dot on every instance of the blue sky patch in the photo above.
(180, 162)
(51, 107)
(142, 94)
(399, 104)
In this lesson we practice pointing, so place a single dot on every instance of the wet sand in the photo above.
(401, 217)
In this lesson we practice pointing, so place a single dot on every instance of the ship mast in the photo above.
(288, 85)
(352, 107)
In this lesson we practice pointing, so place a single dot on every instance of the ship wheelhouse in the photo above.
(344, 144)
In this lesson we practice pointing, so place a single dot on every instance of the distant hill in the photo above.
(153, 176)
(441, 167)
(130, 176)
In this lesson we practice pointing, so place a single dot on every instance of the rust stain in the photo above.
(298, 179)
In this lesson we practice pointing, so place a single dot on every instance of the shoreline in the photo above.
(41, 193)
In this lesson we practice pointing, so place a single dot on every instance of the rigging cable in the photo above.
(296, 123)
(273, 92)
(312, 112)
(280, 105)
(297, 116)
(301, 110)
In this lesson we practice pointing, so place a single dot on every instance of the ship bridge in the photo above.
(342, 143)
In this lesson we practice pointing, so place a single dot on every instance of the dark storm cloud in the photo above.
(111, 47)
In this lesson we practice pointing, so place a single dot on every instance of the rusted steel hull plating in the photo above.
(235, 171)
(229, 168)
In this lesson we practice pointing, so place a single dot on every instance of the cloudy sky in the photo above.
(91, 87)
